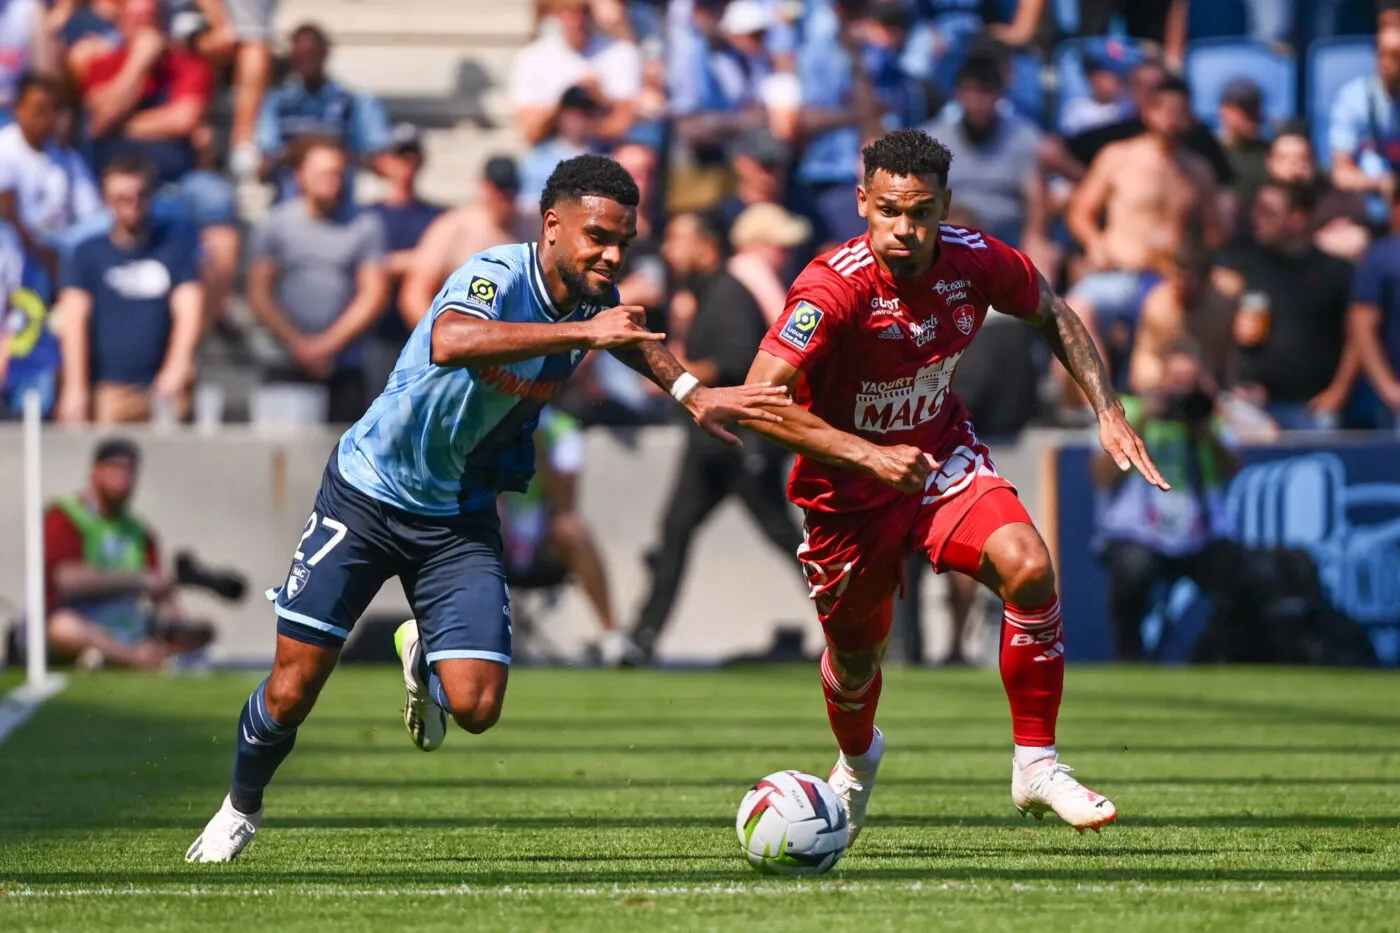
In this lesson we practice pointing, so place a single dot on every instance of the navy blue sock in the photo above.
(263, 744)
(438, 694)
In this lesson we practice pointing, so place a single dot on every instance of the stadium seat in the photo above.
(1213, 63)
(1027, 91)
(1331, 63)
(1216, 19)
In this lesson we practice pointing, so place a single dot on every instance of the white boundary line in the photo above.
(24, 701)
(796, 886)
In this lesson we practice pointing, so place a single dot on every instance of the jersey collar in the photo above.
(541, 287)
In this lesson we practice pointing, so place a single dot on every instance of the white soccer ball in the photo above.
(791, 823)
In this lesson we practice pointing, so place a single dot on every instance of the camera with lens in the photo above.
(1193, 407)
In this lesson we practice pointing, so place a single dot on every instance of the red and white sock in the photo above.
(852, 712)
(1033, 673)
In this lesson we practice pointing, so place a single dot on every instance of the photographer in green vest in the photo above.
(110, 603)
(1148, 537)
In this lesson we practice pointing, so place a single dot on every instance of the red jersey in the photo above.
(878, 354)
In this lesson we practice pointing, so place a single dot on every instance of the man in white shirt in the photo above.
(571, 51)
(45, 187)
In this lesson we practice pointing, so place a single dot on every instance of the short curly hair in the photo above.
(589, 176)
(908, 152)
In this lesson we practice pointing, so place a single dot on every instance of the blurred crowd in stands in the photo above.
(1219, 174)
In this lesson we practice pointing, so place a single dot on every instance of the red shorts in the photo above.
(854, 561)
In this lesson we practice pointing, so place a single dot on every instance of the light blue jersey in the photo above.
(443, 440)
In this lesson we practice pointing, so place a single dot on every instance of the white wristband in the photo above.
(683, 386)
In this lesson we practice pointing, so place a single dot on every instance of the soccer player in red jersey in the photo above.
(888, 462)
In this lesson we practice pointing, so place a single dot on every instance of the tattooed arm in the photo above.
(712, 409)
(1069, 340)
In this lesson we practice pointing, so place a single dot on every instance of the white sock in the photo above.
(1027, 755)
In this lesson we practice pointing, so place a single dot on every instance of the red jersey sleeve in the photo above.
(62, 545)
(818, 304)
(1013, 282)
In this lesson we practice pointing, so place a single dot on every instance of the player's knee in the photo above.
(1027, 577)
(855, 669)
(289, 697)
(568, 531)
(476, 707)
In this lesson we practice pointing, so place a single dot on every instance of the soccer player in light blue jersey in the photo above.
(410, 490)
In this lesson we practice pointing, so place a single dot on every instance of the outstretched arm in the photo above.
(903, 467)
(1069, 340)
(712, 409)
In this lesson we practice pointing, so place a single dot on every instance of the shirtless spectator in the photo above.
(461, 233)
(1185, 305)
(1153, 194)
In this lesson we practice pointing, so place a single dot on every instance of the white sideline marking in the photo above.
(24, 701)
(796, 887)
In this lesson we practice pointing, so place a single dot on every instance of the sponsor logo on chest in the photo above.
(906, 402)
(879, 306)
(952, 291)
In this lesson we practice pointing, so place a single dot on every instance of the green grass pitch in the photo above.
(1250, 799)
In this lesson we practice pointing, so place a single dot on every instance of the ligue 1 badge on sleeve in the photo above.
(801, 325)
(482, 291)
(296, 580)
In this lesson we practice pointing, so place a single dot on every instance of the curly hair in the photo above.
(589, 176)
(908, 152)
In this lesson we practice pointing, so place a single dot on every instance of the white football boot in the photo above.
(425, 721)
(853, 780)
(1046, 786)
(226, 835)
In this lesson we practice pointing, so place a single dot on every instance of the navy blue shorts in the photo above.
(450, 567)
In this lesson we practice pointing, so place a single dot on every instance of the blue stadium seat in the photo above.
(1026, 90)
(1213, 63)
(1215, 19)
(1332, 63)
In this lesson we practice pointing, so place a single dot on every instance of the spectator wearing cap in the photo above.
(1373, 320)
(763, 238)
(1107, 102)
(994, 170)
(405, 217)
(576, 133)
(718, 347)
(461, 233)
(109, 600)
(149, 97)
(570, 52)
(730, 85)
(45, 186)
(1364, 129)
(1295, 357)
(1242, 135)
(318, 282)
(310, 104)
(131, 308)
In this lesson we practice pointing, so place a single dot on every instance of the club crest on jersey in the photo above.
(296, 580)
(801, 326)
(482, 291)
(965, 318)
